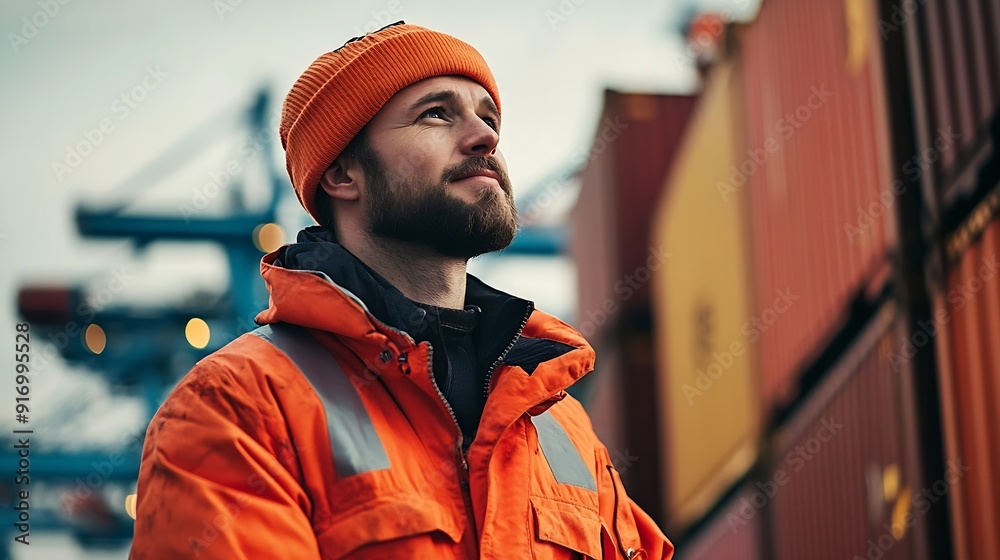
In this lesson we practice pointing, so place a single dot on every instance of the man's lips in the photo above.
(487, 173)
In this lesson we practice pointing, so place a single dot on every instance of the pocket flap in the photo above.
(570, 525)
(388, 519)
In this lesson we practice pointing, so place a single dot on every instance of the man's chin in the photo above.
(455, 244)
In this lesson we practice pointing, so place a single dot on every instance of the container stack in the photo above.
(825, 336)
(953, 58)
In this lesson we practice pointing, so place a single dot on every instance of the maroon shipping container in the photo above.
(969, 360)
(636, 138)
(818, 170)
(731, 534)
(953, 54)
(844, 478)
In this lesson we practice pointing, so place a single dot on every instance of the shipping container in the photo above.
(707, 375)
(953, 56)
(845, 480)
(636, 138)
(818, 170)
(732, 533)
(967, 312)
(633, 147)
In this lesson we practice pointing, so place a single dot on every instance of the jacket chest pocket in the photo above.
(564, 530)
(579, 508)
(398, 527)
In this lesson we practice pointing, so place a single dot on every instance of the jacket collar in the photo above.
(365, 308)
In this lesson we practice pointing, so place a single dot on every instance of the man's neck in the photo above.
(420, 273)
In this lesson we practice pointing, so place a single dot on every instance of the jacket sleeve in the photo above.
(211, 484)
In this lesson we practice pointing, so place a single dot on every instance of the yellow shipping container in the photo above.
(707, 378)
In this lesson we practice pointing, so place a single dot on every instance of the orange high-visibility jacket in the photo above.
(323, 435)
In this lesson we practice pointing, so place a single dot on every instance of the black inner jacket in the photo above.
(466, 343)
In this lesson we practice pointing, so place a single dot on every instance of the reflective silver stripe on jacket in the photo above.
(356, 446)
(568, 467)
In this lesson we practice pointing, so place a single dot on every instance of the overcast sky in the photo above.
(65, 72)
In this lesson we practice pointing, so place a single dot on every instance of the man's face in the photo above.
(432, 173)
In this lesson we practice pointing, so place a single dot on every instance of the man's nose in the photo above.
(480, 139)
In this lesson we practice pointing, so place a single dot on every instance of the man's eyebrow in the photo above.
(448, 96)
(435, 97)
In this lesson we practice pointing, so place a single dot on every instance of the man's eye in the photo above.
(492, 122)
(433, 113)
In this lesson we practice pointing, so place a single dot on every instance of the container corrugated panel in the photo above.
(709, 409)
(953, 50)
(593, 241)
(634, 145)
(845, 482)
(593, 246)
(816, 165)
(643, 154)
(729, 535)
(969, 358)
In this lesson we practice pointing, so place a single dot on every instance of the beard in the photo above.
(425, 213)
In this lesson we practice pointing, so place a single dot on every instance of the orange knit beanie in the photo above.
(342, 90)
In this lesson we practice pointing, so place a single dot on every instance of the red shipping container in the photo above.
(636, 138)
(845, 480)
(953, 55)
(635, 142)
(818, 171)
(728, 535)
(968, 352)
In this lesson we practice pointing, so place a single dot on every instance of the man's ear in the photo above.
(341, 179)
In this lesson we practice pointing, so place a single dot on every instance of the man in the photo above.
(392, 406)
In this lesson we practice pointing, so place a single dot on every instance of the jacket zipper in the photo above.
(499, 360)
(461, 463)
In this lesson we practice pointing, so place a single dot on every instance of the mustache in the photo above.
(477, 163)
